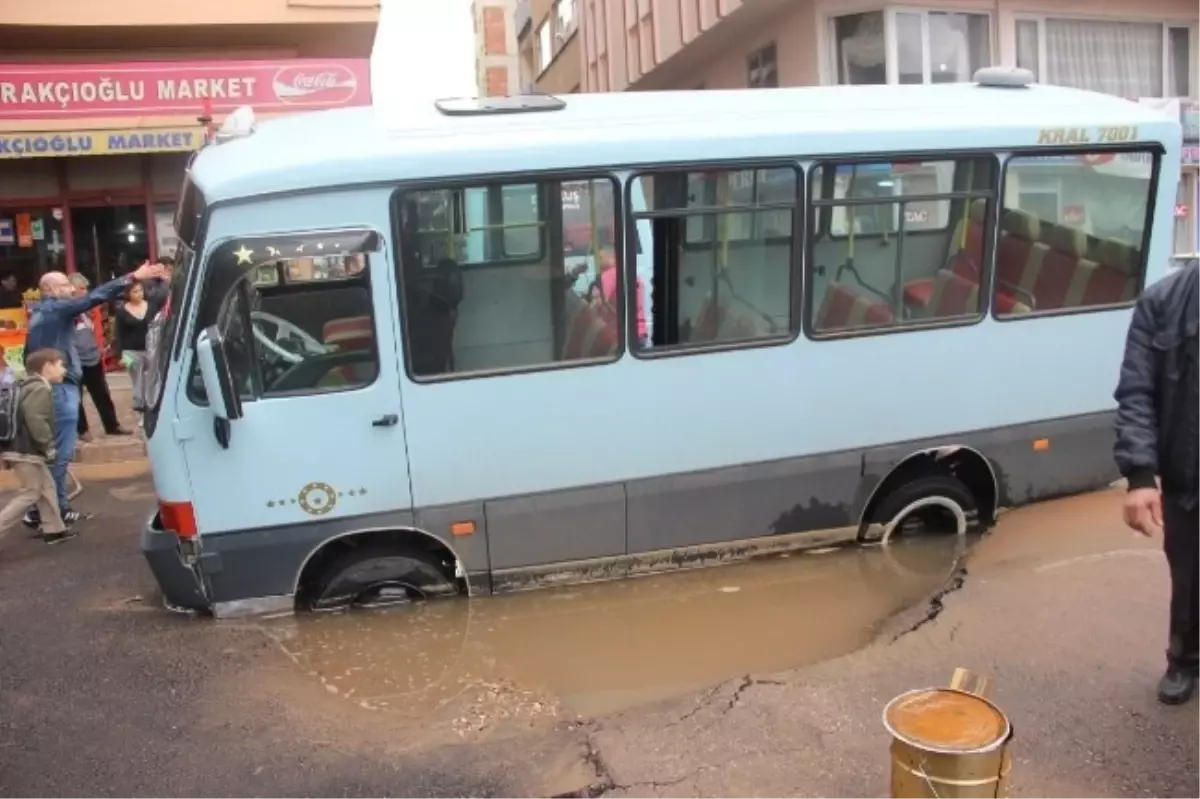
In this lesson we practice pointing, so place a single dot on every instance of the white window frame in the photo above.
(1042, 54)
(568, 25)
(829, 63)
(545, 45)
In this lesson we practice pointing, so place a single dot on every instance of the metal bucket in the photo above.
(948, 743)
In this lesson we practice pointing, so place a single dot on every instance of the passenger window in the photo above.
(466, 313)
(1072, 231)
(480, 225)
(295, 324)
(899, 242)
(722, 250)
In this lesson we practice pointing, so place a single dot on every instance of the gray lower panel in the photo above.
(562, 525)
(792, 496)
(727, 505)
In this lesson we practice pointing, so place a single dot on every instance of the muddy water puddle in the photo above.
(600, 648)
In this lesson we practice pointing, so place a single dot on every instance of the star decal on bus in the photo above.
(243, 255)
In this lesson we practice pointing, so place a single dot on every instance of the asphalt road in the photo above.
(104, 693)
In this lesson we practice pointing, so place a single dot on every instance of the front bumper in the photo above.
(177, 582)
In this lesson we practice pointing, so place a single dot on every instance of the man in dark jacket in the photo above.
(52, 324)
(1158, 398)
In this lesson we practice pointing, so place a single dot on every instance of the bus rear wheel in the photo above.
(377, 576)
(936, 504)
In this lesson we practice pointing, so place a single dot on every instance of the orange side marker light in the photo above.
(1041, 445)
(462, 528)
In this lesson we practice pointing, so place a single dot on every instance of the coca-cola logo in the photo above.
(323, 84)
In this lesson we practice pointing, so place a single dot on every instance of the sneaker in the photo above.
(1176, 686)
(32, 519)
(58, 538)
(71, 516)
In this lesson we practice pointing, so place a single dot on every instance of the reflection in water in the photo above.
(598, 648)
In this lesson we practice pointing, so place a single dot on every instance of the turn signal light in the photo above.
(178, 518)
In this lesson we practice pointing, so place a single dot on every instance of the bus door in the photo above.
(292, 411)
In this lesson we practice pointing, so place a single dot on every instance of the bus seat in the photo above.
(588, 334)
(953, 295)
(348, 334)
(715, 322)
(1018, 257)
(1116, 276)
(919, 291)
(1067, 246)
(845, 308)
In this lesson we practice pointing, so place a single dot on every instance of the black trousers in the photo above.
(96, 385)
(1181, 540)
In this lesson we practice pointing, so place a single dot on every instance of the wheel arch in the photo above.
(965, 463)
(329, 549)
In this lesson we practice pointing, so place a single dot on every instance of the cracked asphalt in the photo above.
(103, 693)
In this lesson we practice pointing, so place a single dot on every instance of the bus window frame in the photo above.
(487, 186)
(819, 213)
(796, 256)
(209, 311)
(539, 178)
(1156, 151)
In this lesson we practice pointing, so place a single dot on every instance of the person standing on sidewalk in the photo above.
(32, 447)
(52, 324)
(93, 379)
(133, 320)
(1158, 405)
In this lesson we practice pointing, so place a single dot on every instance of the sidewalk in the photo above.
(112, 449)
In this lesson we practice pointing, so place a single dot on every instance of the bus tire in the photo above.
(380, 575)
(940, 495)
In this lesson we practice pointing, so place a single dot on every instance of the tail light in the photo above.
(178, 517)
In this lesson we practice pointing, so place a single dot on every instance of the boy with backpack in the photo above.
(27, 439)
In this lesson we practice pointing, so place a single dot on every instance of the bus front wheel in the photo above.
(381, 576)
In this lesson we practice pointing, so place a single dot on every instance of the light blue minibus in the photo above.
(393, 367)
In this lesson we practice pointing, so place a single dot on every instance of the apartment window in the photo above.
(898, 243)
(495, 31)
(496, 81)
(545, 308)
(723, 255)
(1129, 59)
(1072, 231)
(566, 18)
(910, 46)
(761, 70)
(545, 45)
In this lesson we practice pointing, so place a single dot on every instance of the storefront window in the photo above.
(31, 244)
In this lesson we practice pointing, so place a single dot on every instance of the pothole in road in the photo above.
(594, 649)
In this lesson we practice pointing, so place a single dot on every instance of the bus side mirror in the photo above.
(218, 382)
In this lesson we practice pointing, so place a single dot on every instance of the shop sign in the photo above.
(6, 232)
(37, 230)
(65, 91)
(100, 142)
(1191, 155)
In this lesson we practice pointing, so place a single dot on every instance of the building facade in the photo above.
(496, 69)
(1133, 48)
(551, 57)
(101, 105)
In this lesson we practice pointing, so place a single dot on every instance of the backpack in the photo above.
(10, 399)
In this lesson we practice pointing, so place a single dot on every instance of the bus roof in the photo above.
(357, 146)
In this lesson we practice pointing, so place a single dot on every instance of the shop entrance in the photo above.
(109, 241)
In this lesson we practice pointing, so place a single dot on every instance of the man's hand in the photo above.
(1143, 511)
(149, 271)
